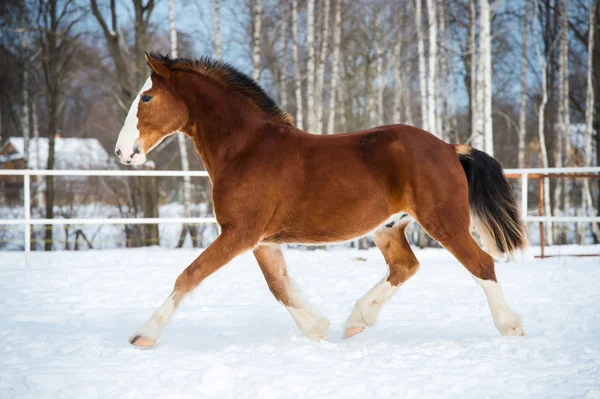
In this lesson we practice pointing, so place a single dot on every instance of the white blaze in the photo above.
(130, 132)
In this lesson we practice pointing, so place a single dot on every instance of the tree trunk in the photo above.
(486, 78)
(321, 69)
(257, 22)
(541, 114)
(380, 78)
(25, 99)
(218, 54)
(565, 115)
(310, 70)
(432, 58)
(398, 84)
(297, 72)
(588, 204)
(283, 57)
(472, 48)
(523, 108)
(442, 119)
(335, 66)
(422, 71)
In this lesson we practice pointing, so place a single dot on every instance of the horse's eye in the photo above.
(146, 98)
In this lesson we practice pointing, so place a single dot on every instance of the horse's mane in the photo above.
(229, 76)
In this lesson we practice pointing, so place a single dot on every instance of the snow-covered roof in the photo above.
(70, 153)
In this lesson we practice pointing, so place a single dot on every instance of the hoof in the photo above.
(352, 331)
(141, 342)
(516, 331)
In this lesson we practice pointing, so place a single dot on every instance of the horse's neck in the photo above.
(220, 124)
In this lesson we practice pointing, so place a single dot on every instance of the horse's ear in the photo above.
(158, 66)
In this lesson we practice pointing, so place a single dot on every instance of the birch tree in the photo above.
(283, 56)
(442, 117)
(185, 164)
(297, 73)
(523, 107)
(398, 84)
(486, 75)
(39, 192)
(321, 68)
(564, 112)
(422, 71)
(335, 65)
(257, 23)
(310, 70)
(588, 204)
(380, 78)
(543, 61)
(476, 139)
(432, 58)
(25, 94)
(218, 51)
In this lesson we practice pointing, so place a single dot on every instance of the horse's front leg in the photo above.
(228, 245)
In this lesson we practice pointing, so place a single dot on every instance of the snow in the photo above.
(70, 153)
(64, 324)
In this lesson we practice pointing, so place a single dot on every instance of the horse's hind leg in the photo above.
(451, 229)
(272, 264)
(402, 264)
(481, 266)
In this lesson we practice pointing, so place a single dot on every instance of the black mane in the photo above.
(228, 75)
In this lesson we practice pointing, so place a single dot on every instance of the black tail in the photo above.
(493, 207)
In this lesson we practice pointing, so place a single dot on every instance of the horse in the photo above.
(274, 184)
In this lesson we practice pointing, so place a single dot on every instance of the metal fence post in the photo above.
(27, 216)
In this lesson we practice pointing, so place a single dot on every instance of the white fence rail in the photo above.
(27, 221)
(525, 173)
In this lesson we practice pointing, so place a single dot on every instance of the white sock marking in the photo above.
(505, 320)
(153, 327)
(368, 307)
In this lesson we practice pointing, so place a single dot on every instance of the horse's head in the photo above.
(156, 112)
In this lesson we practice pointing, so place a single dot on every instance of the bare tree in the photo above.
(297, 73)
(432, 58)
(588, 204)
(398, 83)
(283, 56)
(335, 65)
(442, 117)
(24, 44)
(310, 70)
(380, 77)
(128, 77)
(475, 102)
(486, 74)
(321, 68)
(218, 53)
(564, 112)
(58, 44)
(422, 71)
(523, 107)
(257, 23)
(543, 61)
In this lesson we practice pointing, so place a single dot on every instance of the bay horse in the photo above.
(275, 184)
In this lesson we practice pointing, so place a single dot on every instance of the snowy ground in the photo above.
(64, 324)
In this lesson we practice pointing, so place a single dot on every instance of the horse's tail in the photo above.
(494, 209)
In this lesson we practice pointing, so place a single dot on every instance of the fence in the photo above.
(523, 174)
(541, 174)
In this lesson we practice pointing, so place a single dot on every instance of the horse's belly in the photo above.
(334, 227)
